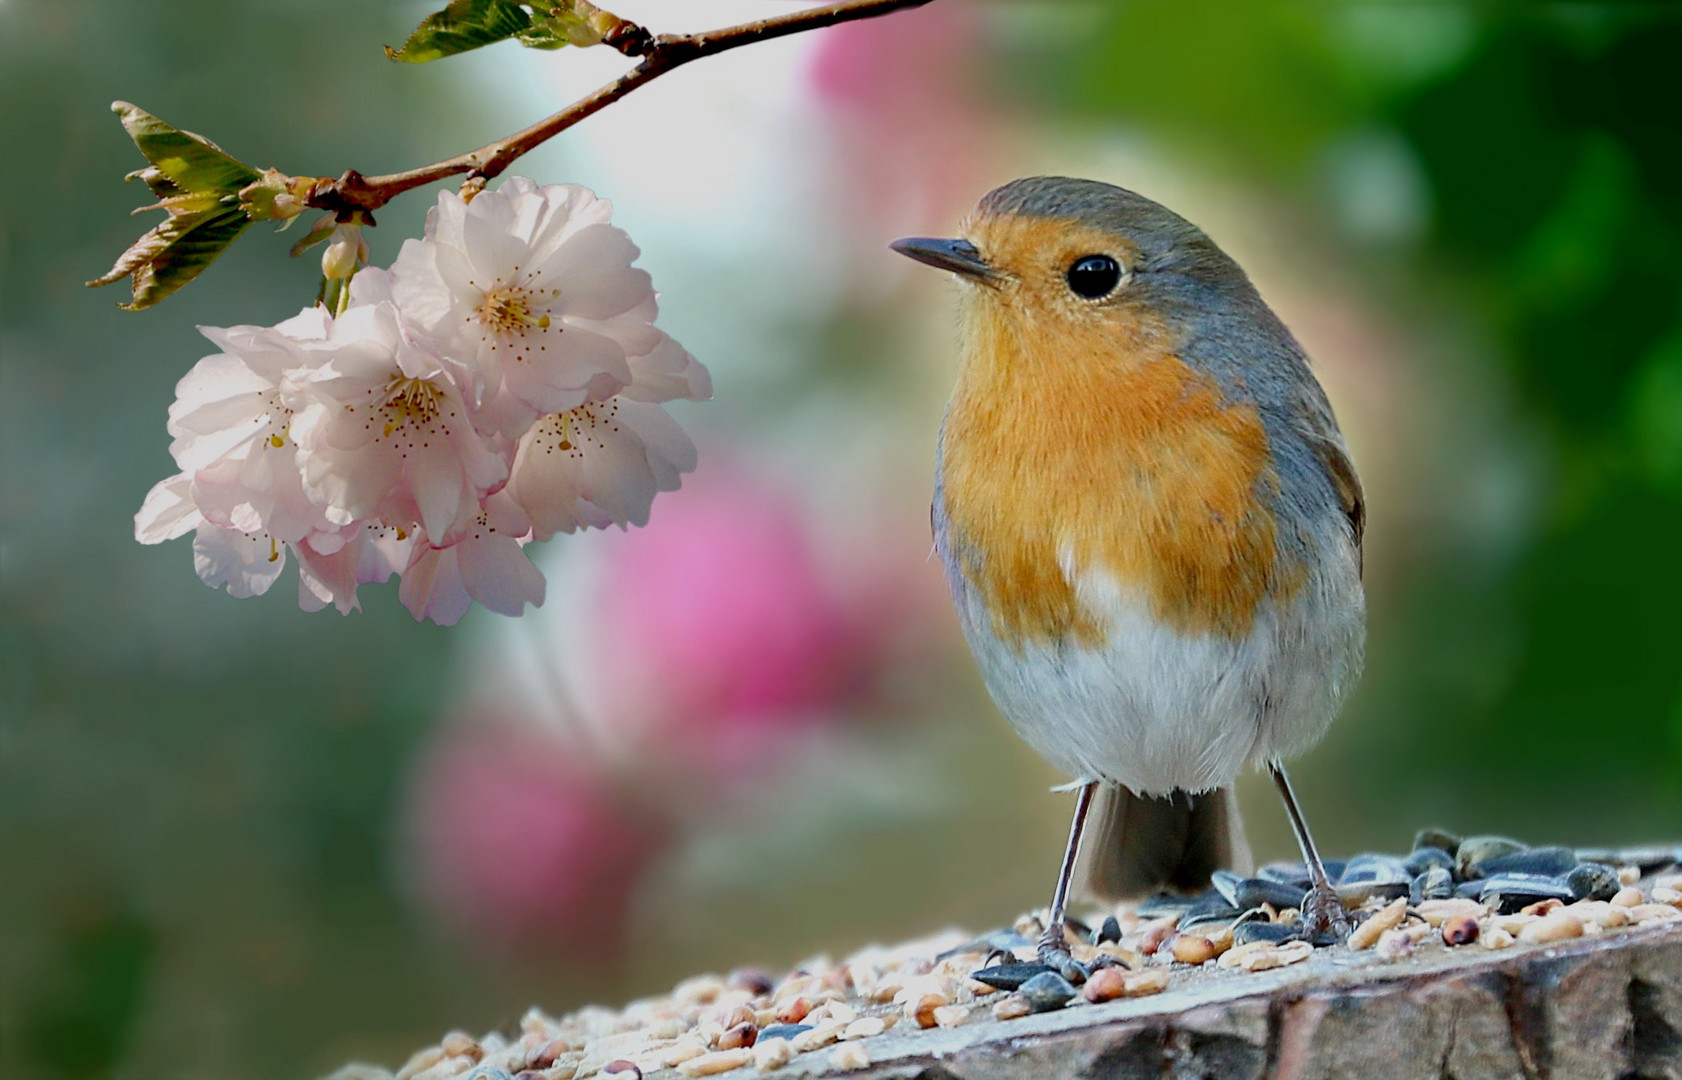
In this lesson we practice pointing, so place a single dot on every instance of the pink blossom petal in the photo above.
(556, 382)
(245, 563)
(168, 511)
(432, 587)
(496, 572)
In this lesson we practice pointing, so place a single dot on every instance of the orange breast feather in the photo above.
(1108, 447)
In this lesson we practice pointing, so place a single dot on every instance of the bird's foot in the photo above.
(1324, 921)
(1054, 953)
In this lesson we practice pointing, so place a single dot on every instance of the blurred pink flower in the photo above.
(723, 625)
(907, 120)
(515, 839)
(671, 668)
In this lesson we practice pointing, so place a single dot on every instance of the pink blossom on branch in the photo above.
(502, 383)
(384, 434)
(535, 292)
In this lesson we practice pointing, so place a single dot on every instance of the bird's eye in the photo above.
(1094, 276)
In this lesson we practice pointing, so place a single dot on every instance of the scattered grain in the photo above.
(461, 1044)
(1105, 984)
(742, 1035)
(1192, 949)
(1648, 913)
(1156, 932)
(1264, 955)
(1393, 945)
(1542, 907)
(822, 1035)
(712, 1064)
(1144, 983)
(772, 1055)
(849, 1057)
(1437, 912)
(701, 990)
(1388, 917)
(1600, 913)
(1559, 926)
(1460, 930)
(1491, 936)
(684, 1050)
(922, 1010)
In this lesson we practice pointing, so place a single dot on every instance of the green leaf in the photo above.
(463, 25)
(180, 159)
(175, 252)
(545, 33)
(199, 187)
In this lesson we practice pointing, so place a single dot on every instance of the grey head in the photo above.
(1160, 254)
(1166, 243)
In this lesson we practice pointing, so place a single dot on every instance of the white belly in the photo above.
(1157, 709)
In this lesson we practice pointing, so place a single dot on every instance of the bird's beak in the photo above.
(958, 256)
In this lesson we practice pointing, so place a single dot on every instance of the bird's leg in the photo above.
(1053, 944)
(1322, 911)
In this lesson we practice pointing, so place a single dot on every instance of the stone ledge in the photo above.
(1602, 1007)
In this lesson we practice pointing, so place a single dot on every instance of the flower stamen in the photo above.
(510, 310)
(409, 401)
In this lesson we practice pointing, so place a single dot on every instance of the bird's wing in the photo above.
(1326, 441)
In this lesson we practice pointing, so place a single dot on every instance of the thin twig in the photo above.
(353, 191)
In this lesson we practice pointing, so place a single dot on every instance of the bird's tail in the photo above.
(1139, 844)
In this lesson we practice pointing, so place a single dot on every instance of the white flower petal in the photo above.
(310, 324)
(669, 449)
(246, 564)
(493, 252)
(384, 435)
(327, 578)
(666, 373)
(447, 218)
(589, 363)
(432, 587)
(531, 294)
(496, 572)
(416, 279)
(594, 273)
(601, 464)
(168, 511)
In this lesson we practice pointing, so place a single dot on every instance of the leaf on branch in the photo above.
(180, 159)
(175, 252)
(199, 186)
(462, 25)
(536, 24)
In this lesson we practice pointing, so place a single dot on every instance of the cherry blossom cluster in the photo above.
(502, 382)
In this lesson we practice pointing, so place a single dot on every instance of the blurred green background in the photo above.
(1471, 213)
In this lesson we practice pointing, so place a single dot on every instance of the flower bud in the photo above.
(346, 252)
(276, 196)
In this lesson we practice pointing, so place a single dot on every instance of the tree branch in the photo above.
(355, 192)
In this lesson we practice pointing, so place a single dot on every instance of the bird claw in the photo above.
(1324, 920)
(1054, 954)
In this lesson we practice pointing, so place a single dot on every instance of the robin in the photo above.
(1150, 525)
